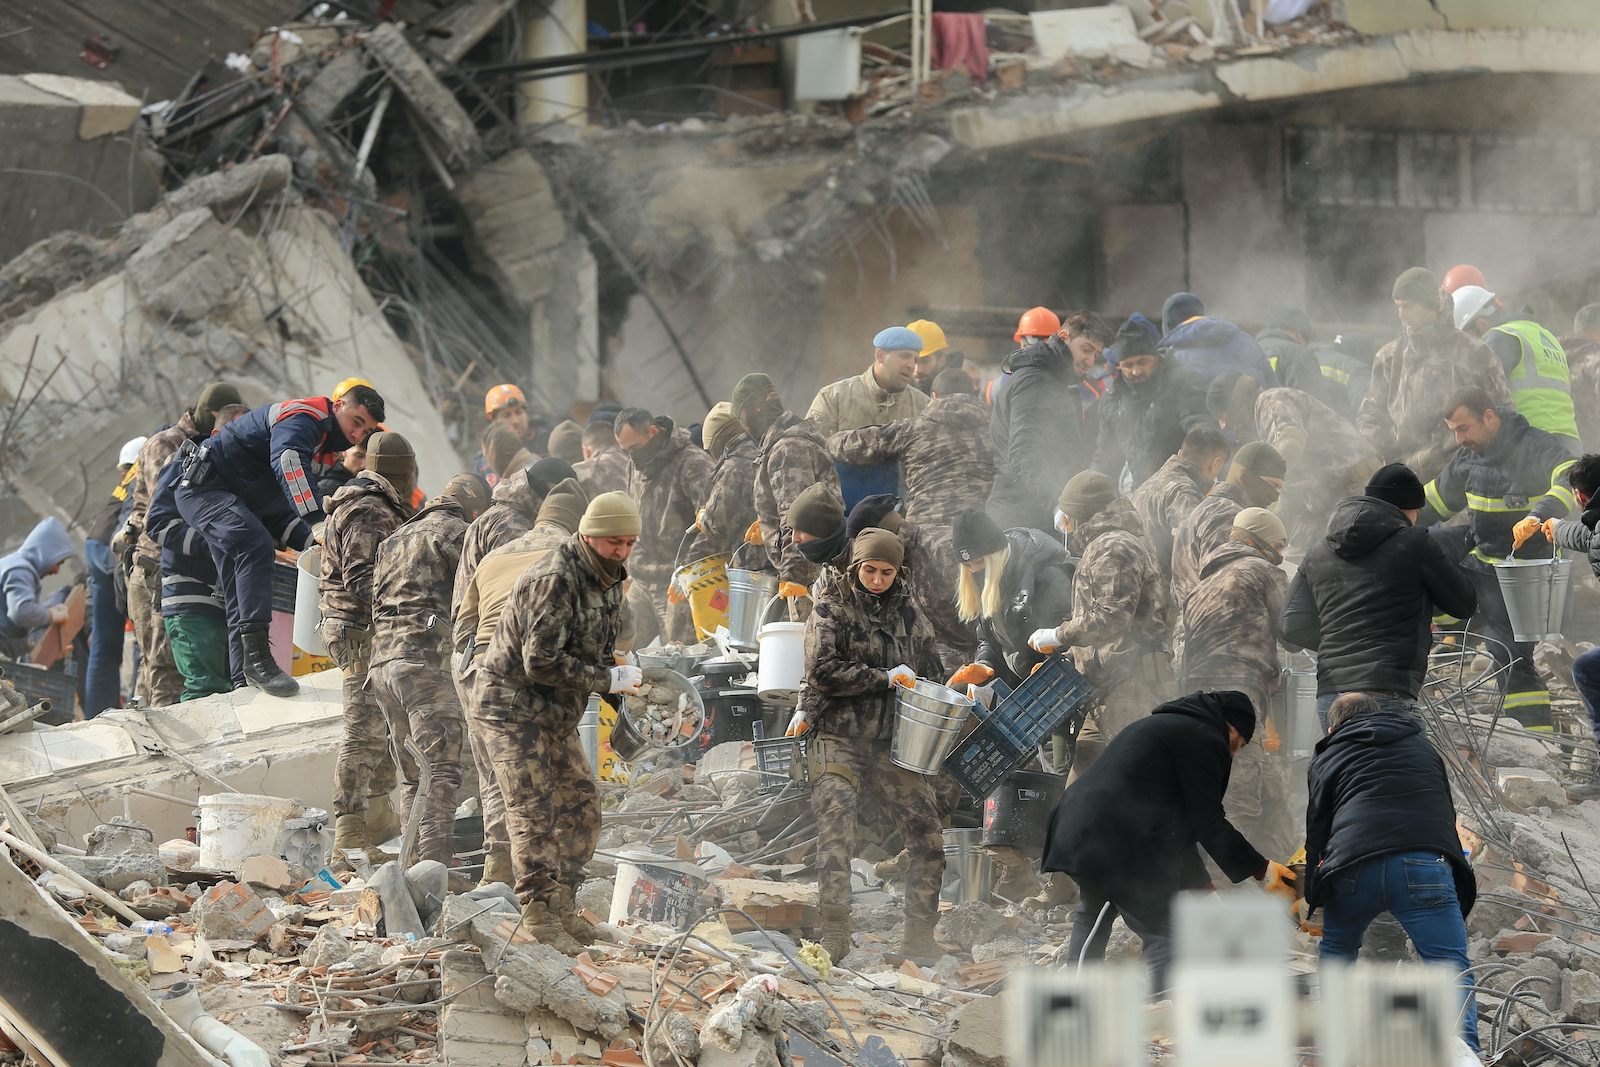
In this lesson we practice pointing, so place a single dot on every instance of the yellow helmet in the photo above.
(346, 385)
(932, 336)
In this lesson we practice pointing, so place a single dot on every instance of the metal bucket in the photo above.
(1300, 697)
(964, 855)
(1016, 814)
(589, 733)
(748, 595)
(1535, 592)
(927, 724)
(629, 742)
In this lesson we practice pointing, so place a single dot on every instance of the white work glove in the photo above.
(317, 531)
(797, 725)
(625, 679)
(1044, 640)
(983, 694)
(58, 613)
(903, 675)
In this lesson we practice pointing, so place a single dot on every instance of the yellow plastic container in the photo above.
(706, 584)
(612, 768)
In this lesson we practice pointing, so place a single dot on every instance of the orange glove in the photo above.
(903, 676)
(788, 590)
(1524, 529)
(752, 536)
(675, 595)
(1280, 881)
(1272, 741)
(975, 673)
(1311, 922)
(798, 726)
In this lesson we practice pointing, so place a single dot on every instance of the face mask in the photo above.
(826, 549)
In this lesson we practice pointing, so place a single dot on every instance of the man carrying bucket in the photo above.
(1510, 477)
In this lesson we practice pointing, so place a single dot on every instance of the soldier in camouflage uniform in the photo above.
(1416, 373)
(412, 584)
(1326, 459)
(1227, 638)
(863, 637)
(1169, 495)
(1253, 481)
(945, 451)
(791, 456)
(605, 467)
(553, 647)
(516, 506)
(729, 510)
(669, 482)
(361, 514)
(1118, 629)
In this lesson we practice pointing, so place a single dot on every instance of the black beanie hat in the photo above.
(872, 511)
(548, 471)
(1239, 712)
(1399, 485)
(1134, 340)
(973, 535)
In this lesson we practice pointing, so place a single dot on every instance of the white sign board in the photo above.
(828, 65)
(1070, 1018)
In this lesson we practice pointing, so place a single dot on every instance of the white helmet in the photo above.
(1471, 302)
(130, 451)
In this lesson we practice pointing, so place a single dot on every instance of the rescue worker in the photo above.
(1509, 477)
(670, 478)
(729, 511)
(945, 452)
(1118, 627)
(1534, 362)
(1254, 481)
(881, 394)
(22, 574)
(566, 441)
(1413, 376)
(1035, 326)
(412, 586)
(1226, 637)
(1151, 403)
(360, 517)
(249, 486)
(1209, 345)
(1169, 495)
(605, 467)
(481, 605)
(1325, 459)
(936, 356)
(553, 647)
(863, 638)
(1286, 342)
(1010, 584)
(107, 611)
(1577, 535)
(502, 404)
(1582, 347)
(504, 451)
(159, 682)
(1036, 424)
(1347, 372)
(516, 506)
(790, 456)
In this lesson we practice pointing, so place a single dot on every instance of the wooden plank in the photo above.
(58, 637)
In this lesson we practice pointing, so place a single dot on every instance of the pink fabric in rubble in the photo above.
(958, 38)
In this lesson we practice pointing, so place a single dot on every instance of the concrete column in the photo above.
(554, 28)
(564, 328)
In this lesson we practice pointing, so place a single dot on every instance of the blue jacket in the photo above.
(266, 457)
(1216, 346)
(188, 573)
(22, 576)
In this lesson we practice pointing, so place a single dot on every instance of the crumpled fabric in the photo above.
(958, 38)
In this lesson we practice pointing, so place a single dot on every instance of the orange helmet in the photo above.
(346, 385)
(1036, 322)
(1465, 274)
(501, 396)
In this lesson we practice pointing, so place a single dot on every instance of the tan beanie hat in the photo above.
(564, 505)
(611, 515)
(873, 543)
(1259, 525)
(1086, 494)
(719, 428)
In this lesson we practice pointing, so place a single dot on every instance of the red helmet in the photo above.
(1036, 322)
(1465, 274)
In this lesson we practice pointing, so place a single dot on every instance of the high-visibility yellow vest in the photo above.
(1541, 385)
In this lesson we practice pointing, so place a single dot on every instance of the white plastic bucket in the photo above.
(307, 606)
(656, 889)
(782, 664)
(236, 826)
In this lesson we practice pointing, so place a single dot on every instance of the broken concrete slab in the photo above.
(1530, 787)
(428, 881)
(400, 918)
(426, 93)
(1580, 996)
(191, 266)
(492, 1039)
(973, 923)
(118, 836)
(269, 871)
(106, 108)
(328, 948)
(130, 867)
(537, 976)
(231, 912)
(979, 1034)
(227, 192)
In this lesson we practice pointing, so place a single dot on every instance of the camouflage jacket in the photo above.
(792, 457)
(1334, 452)
(1228, 632)
(1119, 603)
(1583, 364)
(946, 453)
(513, 513)
(1164, 500)
(484, 599)
(413, 584)
(154, 455)
(729, 508)
(555, 642)
(361, 514)
(1412, 378)
(852, 640)
(669, 490)
(930, 570)
(1206, 527)
(607, 471)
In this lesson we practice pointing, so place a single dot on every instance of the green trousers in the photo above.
(200, 649)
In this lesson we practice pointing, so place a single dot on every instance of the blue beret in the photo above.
(896, 338)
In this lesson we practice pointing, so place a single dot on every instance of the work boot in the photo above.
(1018, 882)
(894, 866)
(836, 931)
(382, 822)
(918, 942)
(1058, 889)
(497, 868)
(545, 925)
(261, 670)
(350, 835)
(582, 930)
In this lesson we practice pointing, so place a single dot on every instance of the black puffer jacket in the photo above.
(1143, 423)
(1131, 825)
(1365, 597)
(1037, 428)
(1035, 592)
(1296, 366)
(1377, 787)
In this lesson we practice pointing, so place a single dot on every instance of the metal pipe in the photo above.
(152, 794)
(27, 715)
(371, 133)
(182, 1005)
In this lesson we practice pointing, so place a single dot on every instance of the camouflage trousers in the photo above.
(495, 837)
(908, 799)
(365, 767)
(419, 701)
(1128, 696)
(552, 805)
(159, 682)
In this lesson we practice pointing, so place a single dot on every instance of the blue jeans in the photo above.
(1419, 889)
(1387, 701)
(1586, 677)
(102, 687)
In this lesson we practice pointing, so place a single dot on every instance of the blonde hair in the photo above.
(970, 604)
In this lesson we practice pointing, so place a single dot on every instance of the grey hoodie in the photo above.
(22, 575)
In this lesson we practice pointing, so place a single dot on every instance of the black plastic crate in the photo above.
(285, 584)
(1041, 703)
(58, 687)
(983, 759)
